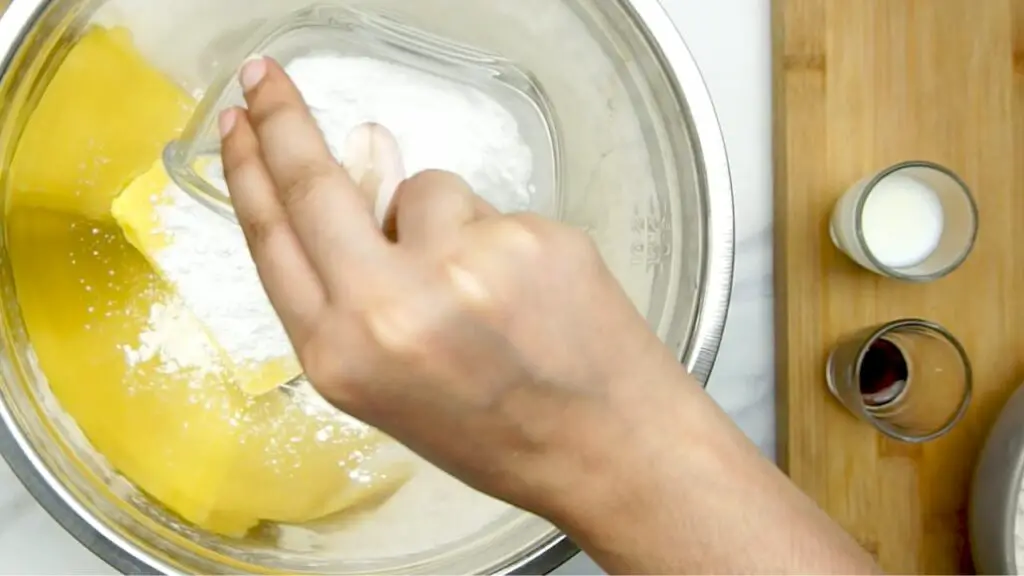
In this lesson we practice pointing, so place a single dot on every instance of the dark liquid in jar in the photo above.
(883, 373)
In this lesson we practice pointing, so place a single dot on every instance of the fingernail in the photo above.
(226, 121)
(253, 71)
(374, 161)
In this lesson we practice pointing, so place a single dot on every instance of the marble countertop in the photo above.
(730, 40)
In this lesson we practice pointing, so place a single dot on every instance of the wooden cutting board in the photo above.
(858, 85)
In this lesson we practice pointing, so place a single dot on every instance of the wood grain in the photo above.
(859, 85)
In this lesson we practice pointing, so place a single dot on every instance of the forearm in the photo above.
(688, 492)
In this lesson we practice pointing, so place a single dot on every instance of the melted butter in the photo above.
(104, 117)
(192, 439)
(84, 294)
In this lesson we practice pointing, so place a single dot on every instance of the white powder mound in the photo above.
(209, 264)
(439, 124)
(171, 338)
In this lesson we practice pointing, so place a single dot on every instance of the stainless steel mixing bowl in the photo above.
(642, 166)
(995, 491)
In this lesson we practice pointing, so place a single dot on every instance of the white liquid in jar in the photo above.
(902, 221)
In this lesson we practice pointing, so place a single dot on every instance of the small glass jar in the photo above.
(915, 221)
(910, 379)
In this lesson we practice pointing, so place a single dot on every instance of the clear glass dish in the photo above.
(345, 31)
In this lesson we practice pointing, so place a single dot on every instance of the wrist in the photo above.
(631, 451)
(665, 446)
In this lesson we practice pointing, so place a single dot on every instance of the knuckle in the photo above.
(281, 118)
(399, 330)
(236, 156)
(424, 189)
(541, 241)
(432, 177)
(309, 180)
(319, 362)
(421, 178)
(530, 221)
(468, 286)
(328, 373)
(323, 375)
(268, 106)
(523, 233)
(562, 243)
(241, 168)
(260, 231)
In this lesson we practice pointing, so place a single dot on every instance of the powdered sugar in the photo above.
(207, 259)
(439, 124)
(172, 339)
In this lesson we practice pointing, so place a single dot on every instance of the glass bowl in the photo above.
(341, 31)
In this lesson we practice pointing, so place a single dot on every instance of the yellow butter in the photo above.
(297, 467)
(103, 119)
(84, 298)
(191, 438)
(218, 457)
(134, 210)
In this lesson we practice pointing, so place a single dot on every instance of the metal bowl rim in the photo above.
(703, 344)
(998, 554)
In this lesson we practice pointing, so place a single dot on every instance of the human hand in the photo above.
(498, 347)
(502, 349)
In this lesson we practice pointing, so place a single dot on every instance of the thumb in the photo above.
(431, 207)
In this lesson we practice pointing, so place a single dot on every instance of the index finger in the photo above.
(334, 222)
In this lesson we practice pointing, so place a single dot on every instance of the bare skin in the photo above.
(502, 349)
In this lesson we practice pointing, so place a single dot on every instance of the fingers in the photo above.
(332, 220)
(431, 207)
(291, 284)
